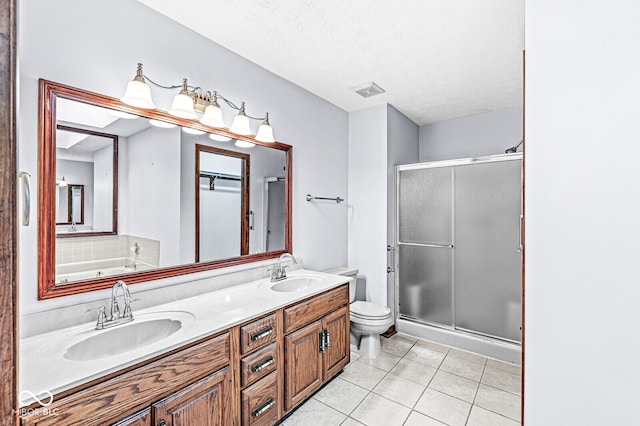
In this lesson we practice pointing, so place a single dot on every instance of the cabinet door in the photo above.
(303, 373)
(337, 352)
(206, 402)
(141, 418)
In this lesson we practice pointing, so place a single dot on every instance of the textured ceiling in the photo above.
(436, 59)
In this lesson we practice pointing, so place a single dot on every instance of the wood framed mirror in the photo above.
(155, 217)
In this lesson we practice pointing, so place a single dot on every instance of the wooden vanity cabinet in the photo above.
(317, 352)
(141, 418)
(206, 402)
(251, 374)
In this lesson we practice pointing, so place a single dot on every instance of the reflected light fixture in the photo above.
(138, 93)
(161, 124)
(61, 182)
(193, 131)
(244, 144)
(265, 132)
(219, 138)
(193, 100)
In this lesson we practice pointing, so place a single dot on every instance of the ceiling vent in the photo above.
(370, 90)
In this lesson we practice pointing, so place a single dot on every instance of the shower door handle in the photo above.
(26, 198)
(519, 249)
(391, 253)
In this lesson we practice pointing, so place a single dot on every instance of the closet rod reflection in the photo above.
(336, 199)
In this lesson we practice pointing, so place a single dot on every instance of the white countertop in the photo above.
(44, 368)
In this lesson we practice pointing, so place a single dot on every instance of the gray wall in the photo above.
(474, 136)
(402, 148)
(96, 45)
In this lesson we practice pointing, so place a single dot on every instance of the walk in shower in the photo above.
(459, 264)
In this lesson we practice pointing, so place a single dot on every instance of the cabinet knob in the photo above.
(162, 422)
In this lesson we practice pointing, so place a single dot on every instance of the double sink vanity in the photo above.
(246, 354)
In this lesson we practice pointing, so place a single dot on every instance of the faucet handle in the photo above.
(127, 307)
(102, 316)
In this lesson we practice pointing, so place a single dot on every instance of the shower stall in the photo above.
(458, 246)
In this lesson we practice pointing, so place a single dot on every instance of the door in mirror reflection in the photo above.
(222, 203)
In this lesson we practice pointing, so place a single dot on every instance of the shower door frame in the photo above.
(397, 243)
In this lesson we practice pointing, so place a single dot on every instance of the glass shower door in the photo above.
(487, 248)
(425, 235)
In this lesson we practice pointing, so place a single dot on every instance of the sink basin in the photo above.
(296, 284)
(127, 337)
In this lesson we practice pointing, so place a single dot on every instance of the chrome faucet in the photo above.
(116, 318)
(279, 273)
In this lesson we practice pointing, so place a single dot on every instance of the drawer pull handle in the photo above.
(264, 407)
(267, 362)
(261, 334)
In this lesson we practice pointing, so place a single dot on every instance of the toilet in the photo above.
(368, 319)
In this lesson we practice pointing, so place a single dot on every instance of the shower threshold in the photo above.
(507, 351)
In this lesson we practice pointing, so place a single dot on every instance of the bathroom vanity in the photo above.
(245, 355)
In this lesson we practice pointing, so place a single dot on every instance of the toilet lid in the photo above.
(369, 310)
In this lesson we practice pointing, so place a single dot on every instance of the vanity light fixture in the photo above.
(192, 100)
(240, 123)
(212, 113)
(265, 132)
(61, 182)
(182, 105)
(138, 92)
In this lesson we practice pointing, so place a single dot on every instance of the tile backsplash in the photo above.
(86, 249)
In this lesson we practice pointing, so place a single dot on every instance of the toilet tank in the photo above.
(351, 273)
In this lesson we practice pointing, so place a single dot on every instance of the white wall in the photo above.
(96, 45)
(582, 207)
(473, 136)
(153, 207)
(368, 198)
(103, 189)
(402, 148)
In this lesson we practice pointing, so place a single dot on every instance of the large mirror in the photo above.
(135, 194)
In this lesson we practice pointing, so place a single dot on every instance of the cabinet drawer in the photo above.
(297, 316)
(258, 365)
(257, 334)
(260, 405)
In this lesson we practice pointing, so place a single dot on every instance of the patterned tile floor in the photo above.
(416, 382)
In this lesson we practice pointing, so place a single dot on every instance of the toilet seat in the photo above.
(369, 310)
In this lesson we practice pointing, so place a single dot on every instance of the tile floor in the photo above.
(415, 382)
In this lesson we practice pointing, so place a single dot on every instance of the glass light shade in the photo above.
(265, 133)
(192, 131)
(121, 114)
(212, 117)
(240, 125)
(162, 124)
(244, 144)
(182, 107)
(138, 94)
(61, 183)
(219, 138)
